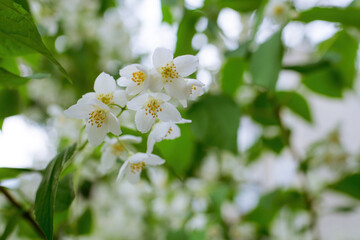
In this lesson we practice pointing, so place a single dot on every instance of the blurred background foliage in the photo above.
(52, 51)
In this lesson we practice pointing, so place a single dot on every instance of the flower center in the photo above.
(97, 117)
(169, 132)
(152, 107)
(137, 167)
(117, 148)
(138, 77)
(168, 73)
(105, 98)
(193, 88)
(278, 10)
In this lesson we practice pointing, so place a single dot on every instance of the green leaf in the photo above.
(186, 32)
(46, 193)
(19, 35)
(265, 63)
(166, 10)
(11, 224)
(296, 103)
(349, 185)
(65, 194)
(9, 79)
(105, 5)
(263, 111)
(275, 144)
(215, 121)
(85, 222)
(8, 173)
(240, 5)
(169, 150)
(232, 75)
(308, 68)
(9, 103)
(346, 16)
(325, 81)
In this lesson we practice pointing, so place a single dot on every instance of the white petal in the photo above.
(138, 157)
(130, 138)
(124, 82)
(107, 161)
(183, 102)
(154, 160)
(87, 97)
(104, 83)
(134, 89)
(98, 104)
(113, 124)
(174, 133)
(195, 82)
(95, 135)
(128, 70)
(122, 170)
(120, 98)
(155, 82)
(178, 89)
(161, 57)
(184, 121)
(169, 113)
(138, 102)
(161, 96)
(143, 122)
(80, 111)
(186, 65)
(156, 135)
(133, 178)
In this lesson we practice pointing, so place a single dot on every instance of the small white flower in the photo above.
(99, 119)
(136, 163)
(106, 92)
(278, 10)
(195, 89)
(135, 78)
(163, 130)
(172, 71)
(151, 106)
(116, 148)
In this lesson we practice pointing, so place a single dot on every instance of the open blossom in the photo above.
(136, 163)
(106, 91)
(278, 10)
(99, 119)
(135, 78)
(195, 89)
(116, 148)
(152, 106)
(172, 71)
(163, 130)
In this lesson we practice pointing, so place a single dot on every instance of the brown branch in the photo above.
(25, 214)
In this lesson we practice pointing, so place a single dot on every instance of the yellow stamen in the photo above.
(105, 98)
(137, 167)
(169, 73)
(152, 107)
(138, 77)
(97, 117)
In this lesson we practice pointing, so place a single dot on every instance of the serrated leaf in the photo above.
(265, 63)
(232, 75)
(46, 193)
(215, 120)
(296, 103)
(349, 185)
(8, 173)
(9, 79)
(346, 16)
(19, 35)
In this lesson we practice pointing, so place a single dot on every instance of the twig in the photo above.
(26, 214)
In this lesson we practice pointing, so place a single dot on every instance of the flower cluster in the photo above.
(151, 94)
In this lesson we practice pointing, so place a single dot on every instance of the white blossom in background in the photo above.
(172, 71)
(278, 10)
(132, 168)
(152, 106)
(116, 148)
(195, 89)
(99, 119)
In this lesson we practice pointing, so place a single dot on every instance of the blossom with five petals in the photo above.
(136, 163)
(152, 106)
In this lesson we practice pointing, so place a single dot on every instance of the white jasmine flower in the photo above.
(195, 89)
(135, 78)
(116, 148)
(151, 106)
(106, 92)
(99, 119)
(172, 71)
(163, 130)
(278, 10)
(136, 163)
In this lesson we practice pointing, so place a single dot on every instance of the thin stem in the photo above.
(26, 214)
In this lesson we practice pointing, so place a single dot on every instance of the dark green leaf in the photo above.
(177, 235)
(65, 194)
(19, 35)
(9, 79)
(296, 103)
(240, 5)
(275, 144)
(346, 16)
(263, 111)
(39, 76)
(326, 82)
(265, 63)
(106, 4)
(9, 103)
(169, 149)
(215, 120)
(350, 185)
(85, 222)
(308, 68)
(46, 193)
(166, 10)
(232, 75)
(8, 173)
(11, 224)
(186, 32)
